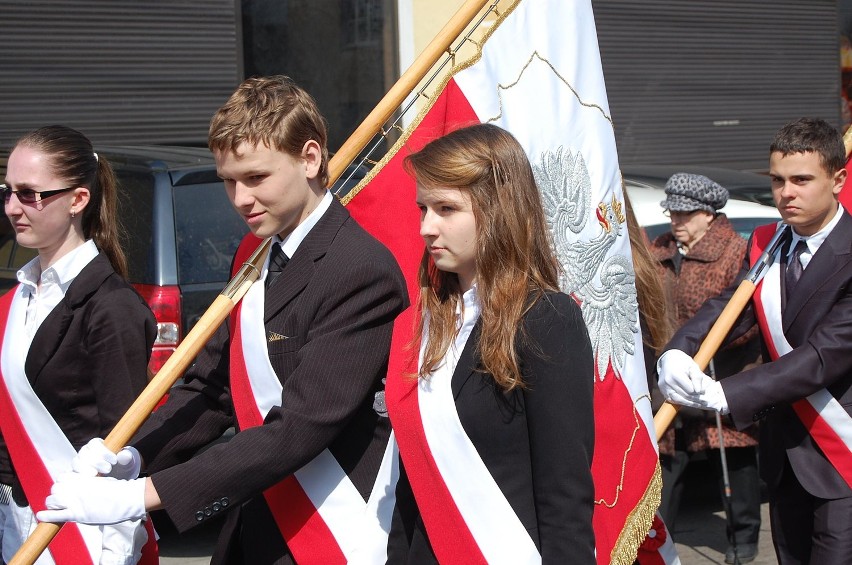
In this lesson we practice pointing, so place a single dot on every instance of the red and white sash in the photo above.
(321, 515)
(36, 443)
(825, 419)
(467, 517)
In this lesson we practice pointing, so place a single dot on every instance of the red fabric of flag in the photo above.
(846, 192)
(539, 76)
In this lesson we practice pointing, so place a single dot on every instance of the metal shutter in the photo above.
(121, 72)
(711, 81)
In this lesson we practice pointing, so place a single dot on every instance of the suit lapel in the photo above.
(52, 331)
(302, 265)
(468, 360)
(832, 255)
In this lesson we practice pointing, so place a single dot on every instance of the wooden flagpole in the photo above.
(250, 271)
(665, 415)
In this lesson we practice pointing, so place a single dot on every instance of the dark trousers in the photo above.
(745, 490)
(807, 530)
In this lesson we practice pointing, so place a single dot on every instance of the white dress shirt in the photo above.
(55, 280)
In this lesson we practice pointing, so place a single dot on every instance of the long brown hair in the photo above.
(514, 257)
(653, 303)
(71, 157)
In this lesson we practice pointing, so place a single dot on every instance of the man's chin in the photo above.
(262, 232)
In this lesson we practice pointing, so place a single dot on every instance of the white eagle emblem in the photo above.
(601, 282)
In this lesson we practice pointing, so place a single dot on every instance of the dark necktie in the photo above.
(277, 261)
(794, 267)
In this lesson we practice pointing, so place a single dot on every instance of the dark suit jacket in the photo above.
(816, 323)
(336, 300)
(87, 362)
(536, 443)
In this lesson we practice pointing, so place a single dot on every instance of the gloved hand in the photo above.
(713, 397)
(680, 376)
(94, 500)
(696, 391)
(94, 458)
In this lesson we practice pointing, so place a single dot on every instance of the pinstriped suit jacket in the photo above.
(336, 302)
(816, 324)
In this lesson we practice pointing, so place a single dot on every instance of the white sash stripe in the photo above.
(832, 412)
(380, 505)
(52, 446)
(265, 385)
(492, 522)
(360, 528)
(822, 401)
(770, 296)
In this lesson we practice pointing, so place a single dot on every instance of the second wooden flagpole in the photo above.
(667, 412)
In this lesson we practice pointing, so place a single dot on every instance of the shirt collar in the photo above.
(470, 298)
(65, 269)
(291, 243)
(814, 241)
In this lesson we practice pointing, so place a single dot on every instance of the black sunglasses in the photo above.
(28, 196)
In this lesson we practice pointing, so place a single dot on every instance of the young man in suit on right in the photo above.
(803, 396)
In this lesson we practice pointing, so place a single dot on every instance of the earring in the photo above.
(73, 213)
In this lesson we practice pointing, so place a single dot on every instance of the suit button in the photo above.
(225, 502)
(199, 516)
(207, 511)
(216, 507)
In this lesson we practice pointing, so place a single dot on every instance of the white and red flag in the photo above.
(538, 74)
(846, 192)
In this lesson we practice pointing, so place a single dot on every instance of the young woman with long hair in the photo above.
(75, 343)
(496, 429)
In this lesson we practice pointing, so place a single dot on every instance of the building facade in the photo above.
(698, 82)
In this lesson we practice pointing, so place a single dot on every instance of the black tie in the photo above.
(277, 261)
(794, 267)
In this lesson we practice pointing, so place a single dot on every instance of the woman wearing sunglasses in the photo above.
(76, 339)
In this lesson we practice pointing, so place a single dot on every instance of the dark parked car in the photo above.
(741, 184)
(181, 232)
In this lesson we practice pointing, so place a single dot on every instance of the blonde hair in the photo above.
(653, 304)
(273, 111)
(514, 257)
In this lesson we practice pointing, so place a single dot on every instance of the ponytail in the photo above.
(72, 158)
(100, 221)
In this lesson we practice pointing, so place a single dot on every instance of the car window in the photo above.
(136, 210)
(743, 226)
(208, 231)
(12, 256)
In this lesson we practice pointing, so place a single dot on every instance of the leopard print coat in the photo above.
(689, 280)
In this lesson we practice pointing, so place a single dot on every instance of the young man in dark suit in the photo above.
(803, 397)
(298, 368)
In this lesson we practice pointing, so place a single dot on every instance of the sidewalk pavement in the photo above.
(192, 548)
(699, 535)
(700, 530)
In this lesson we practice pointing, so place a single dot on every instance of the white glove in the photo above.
(94, 458)
(713, 397)
(680, 376)
(695, 389)
(94, 500)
